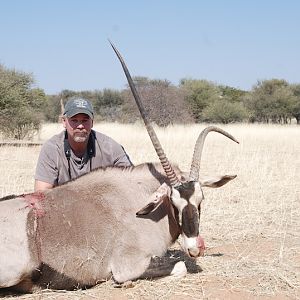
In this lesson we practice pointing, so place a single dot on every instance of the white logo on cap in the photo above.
(81, 103)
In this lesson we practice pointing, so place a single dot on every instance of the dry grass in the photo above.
(251, 226)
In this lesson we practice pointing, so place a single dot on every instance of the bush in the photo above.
(24, 124)
(20, 105)
(225, 112)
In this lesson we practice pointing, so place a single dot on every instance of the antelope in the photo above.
(110, 223)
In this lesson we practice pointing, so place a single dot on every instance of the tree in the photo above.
(53, 109)
(296, 106)
(163, 102)
(232, 94)
(108, 104)
(199, 94)
(270, 101)
(21, 105)
(224, 111)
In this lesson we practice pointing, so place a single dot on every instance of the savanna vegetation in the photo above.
(251, 226)
(23, 107)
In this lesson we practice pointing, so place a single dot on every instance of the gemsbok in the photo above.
(110, 223)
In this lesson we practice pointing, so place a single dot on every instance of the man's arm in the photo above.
(123, 160)
(41, 185)
(46, 172)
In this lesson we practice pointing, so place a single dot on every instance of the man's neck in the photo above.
(78, 148)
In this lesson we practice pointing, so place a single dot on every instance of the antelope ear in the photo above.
(156, 199)
(217, 181)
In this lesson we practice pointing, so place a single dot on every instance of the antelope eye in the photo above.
(199, 208)
(182, 178)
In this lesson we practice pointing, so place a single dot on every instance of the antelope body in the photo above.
(86, 231)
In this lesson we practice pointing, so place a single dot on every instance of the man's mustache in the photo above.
(80, 132)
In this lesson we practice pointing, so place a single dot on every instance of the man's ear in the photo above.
(156, 199)
(63, 120)
(216, 181)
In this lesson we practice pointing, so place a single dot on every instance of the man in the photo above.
(77, 150)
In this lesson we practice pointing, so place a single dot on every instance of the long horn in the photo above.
(195, 166)
(157, 146)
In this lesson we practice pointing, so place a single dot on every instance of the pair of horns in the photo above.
(195, 166)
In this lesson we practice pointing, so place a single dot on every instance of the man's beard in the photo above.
(80, 137)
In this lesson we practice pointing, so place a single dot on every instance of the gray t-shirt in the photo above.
(53, 167)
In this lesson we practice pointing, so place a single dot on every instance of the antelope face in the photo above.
(187, 199)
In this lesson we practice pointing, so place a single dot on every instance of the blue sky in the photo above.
(64, 43)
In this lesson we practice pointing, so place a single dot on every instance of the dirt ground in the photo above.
(202, 282)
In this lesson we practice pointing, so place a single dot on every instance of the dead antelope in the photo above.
(108, 223)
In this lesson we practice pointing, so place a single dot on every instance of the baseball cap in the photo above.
(78, 106)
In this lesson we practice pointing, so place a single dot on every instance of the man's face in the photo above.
(78, 127)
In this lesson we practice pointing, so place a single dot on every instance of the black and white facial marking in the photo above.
(187, 198)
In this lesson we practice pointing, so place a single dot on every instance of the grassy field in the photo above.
(251, 226)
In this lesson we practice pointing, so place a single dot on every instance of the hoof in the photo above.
(179, 270)
(126, 285)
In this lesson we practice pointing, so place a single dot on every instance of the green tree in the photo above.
(232, 94)
(199, 94)
(296, 106)
(21, 105)
(108, 104)
(224, 111)
(270, 101)
(53, 109)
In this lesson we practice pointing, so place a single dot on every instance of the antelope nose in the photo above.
(194, 252)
